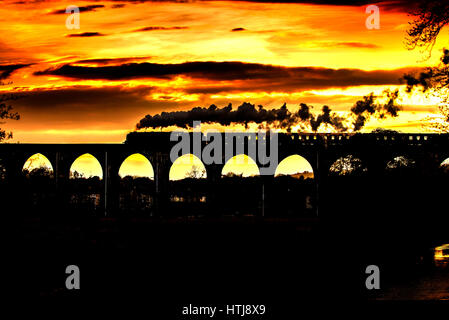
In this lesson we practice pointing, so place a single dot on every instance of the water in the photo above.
(432, 284)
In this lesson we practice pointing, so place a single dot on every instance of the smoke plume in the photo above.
(280, 118)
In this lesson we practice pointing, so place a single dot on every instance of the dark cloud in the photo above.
(82, 106)
(85, 34)
(255, 76)
(214, 89)
(7, 70)
(48, 100)
(28, 2)
(158, 28)
(88, 8)
(238, 29)
(109, 61)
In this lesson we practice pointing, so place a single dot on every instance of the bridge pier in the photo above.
(161, 163)
(213, 172)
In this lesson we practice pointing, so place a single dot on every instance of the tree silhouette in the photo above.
(77, 175)
(39, 171)
(348, 165)
(430, 17)
(6, 113)
(196, 173)
(400, 162)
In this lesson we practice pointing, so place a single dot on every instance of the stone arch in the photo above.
(86, 166)
(240, 165)
(38, 164)
(295, 166)
(187, 166)
(136, 165)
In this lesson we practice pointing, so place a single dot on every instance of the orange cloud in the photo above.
(78, 86)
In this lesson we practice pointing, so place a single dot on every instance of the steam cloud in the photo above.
(280, 118)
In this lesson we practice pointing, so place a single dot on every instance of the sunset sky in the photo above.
(133, 58)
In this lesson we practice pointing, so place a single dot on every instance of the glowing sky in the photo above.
(241, 165)
(187, 166)
(87, 166)
(136, 165)
(80, 85)
(36, 161)
(294, 165)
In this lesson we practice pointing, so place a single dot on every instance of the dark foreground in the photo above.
(245, 260)
(176, 258)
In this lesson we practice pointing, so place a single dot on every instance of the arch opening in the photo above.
(37, 165)
(240, 188)
(136, 184)
(296, 167)
(188, 186)
(38, 188)
(86, 175)
(136, 166)
(293, 193)
(241, 166)
(86, 166)
(187, 166)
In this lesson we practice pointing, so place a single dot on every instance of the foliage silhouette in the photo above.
(348, 165)
(7, 113)
(430, 18)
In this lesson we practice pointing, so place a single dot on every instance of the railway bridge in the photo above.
(375, 151)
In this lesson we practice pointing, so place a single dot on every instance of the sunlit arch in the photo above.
(240, 165)
(187, 166)
(295, 166)
(136, 165)
(347, 165)
(86, 166)
(38, 162)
